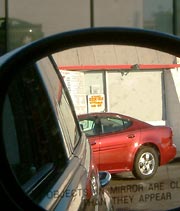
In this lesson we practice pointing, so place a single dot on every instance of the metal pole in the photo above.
(91, 13)
(174, 21)
(6, 25)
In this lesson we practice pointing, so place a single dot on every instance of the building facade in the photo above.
(24, 21)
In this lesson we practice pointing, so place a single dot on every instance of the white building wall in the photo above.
(137, 93)
(172, 86)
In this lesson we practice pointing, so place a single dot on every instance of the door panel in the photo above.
(94, 142)
(116, 150)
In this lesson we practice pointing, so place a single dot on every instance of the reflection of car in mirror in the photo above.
(122, 143)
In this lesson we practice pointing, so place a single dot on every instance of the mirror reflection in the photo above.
(126, 100)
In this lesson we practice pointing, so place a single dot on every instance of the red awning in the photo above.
(120, 67)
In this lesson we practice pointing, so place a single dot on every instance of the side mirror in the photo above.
(125, 53)
(105, 178)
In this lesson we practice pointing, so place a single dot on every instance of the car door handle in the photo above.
(93, 143)
(131, 136)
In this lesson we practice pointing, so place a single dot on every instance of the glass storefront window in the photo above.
(176, 20)
(2, 27)
(23, 27)
(158, 15)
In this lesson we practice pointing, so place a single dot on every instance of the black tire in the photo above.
(146, 163)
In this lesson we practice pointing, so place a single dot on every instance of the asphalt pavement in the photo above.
(160, 193)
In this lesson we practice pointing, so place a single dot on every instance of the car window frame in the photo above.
(124, 128)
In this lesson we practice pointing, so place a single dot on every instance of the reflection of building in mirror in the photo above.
(112, 70)
(149, 92)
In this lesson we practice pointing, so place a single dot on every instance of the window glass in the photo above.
(32, 27)
(68, 123)
(127, 123)
(87, 126)
(21, 32)
(66, 118)
(111, 124)
(2, 36)
(154, 14)
(177, 17)
(158, 15)
(2, 27)
(91, 126)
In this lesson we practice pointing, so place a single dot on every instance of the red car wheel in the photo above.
(146, 163)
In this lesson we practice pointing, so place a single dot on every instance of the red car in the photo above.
(122, 143)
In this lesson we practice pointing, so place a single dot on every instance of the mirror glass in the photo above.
(140, 83)
(136, 83)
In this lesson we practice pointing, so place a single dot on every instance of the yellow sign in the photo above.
(96, 103)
